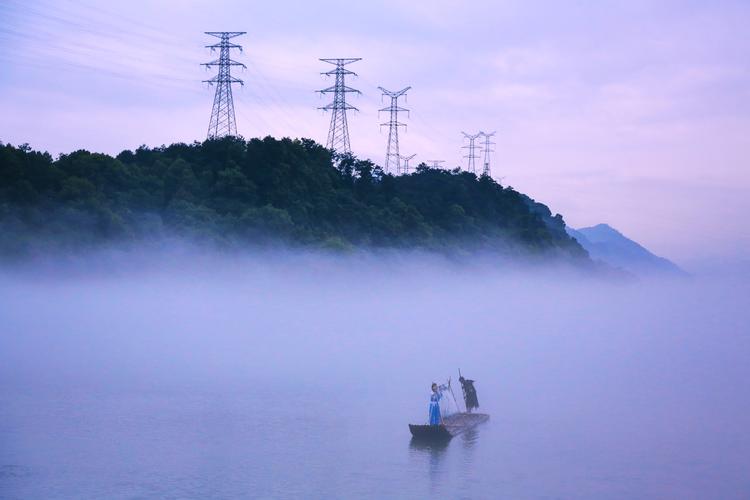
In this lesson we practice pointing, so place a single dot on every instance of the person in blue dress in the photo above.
(437, 394)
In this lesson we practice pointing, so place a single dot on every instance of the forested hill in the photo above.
(236, 192)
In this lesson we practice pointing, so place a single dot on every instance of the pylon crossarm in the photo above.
(394, 94)
(225, 34)
(341, 60)
(224, 79)
(219, 62)
(335, 88)
(331, 106)
(223, 45)
(338, 71)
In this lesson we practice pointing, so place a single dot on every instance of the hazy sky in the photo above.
(632, 113)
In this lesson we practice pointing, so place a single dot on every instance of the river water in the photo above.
(298, 379)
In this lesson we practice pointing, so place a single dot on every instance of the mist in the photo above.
(193, 373)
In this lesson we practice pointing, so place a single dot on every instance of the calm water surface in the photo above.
(258, 385)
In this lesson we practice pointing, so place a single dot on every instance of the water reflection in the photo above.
(431, 447)
(435, 452)
(469, 438)
(466, 468)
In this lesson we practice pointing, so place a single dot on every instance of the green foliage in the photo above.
(242, 192)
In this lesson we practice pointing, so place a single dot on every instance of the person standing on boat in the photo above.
(470, 393)
(437, 394)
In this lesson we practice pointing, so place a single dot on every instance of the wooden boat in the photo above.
(452, 425)
(457, 423)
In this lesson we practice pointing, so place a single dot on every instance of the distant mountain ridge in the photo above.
(606, 244)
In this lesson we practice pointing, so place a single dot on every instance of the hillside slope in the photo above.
(236, 192)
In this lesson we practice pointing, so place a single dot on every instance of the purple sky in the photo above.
(632, 113)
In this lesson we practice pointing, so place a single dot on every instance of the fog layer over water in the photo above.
(206, 376)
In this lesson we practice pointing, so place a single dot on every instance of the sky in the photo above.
(635, 114)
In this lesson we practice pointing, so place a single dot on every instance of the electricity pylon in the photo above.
(338, 131)
(222, 120)
(392, 157)
(405, 164)
(487, 149)
(435, 163)
(472, 147)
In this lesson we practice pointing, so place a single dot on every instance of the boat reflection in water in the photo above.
(433, 457)
(434, 448)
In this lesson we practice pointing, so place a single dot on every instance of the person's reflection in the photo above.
(435, 451)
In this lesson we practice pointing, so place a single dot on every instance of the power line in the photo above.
(392, 157)
(266, 90)
(487, 149)
(223, 121)
(96, 27)
(87, 56)
(65, 66)
(405, 164)
(472, 147)
(338, 131)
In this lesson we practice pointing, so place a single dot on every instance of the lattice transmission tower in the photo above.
(487, 149)
(223, 121)
(392, 156)
(338, 132)
(472, 147)
(405, 164)
(435, 163)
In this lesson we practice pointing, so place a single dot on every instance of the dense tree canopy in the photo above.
(238, 192)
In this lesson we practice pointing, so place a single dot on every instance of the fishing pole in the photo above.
(450, 388)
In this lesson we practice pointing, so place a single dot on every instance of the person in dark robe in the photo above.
(470, 393)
